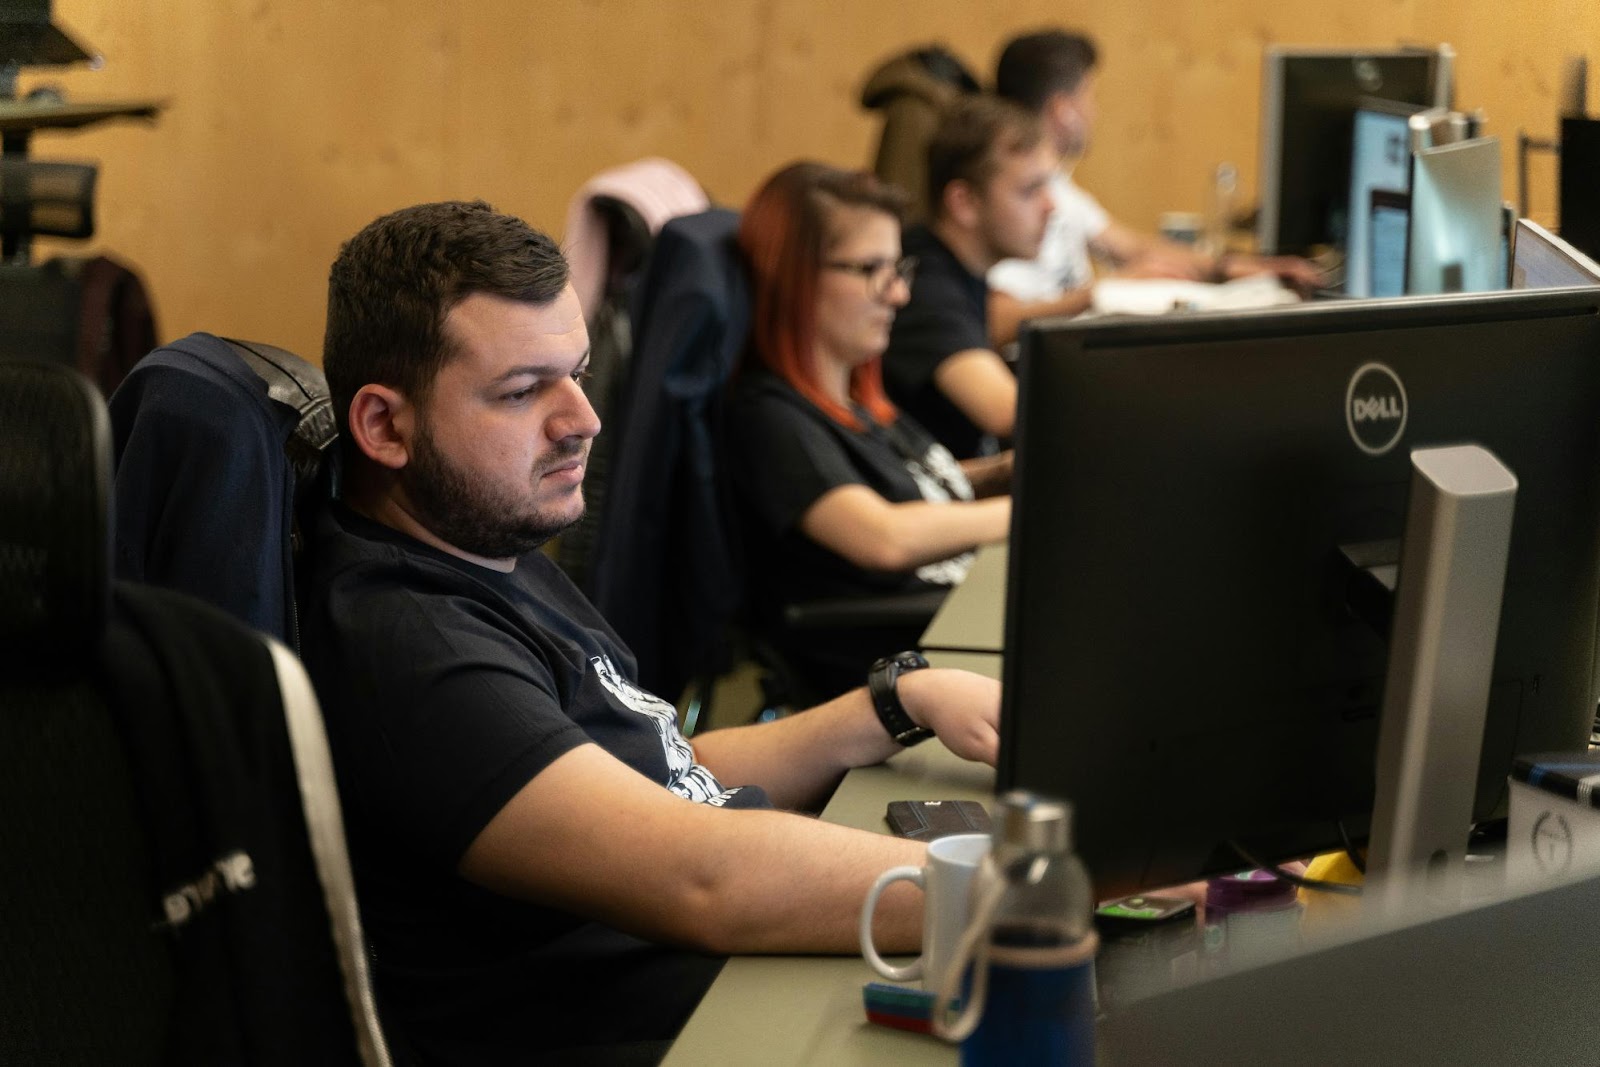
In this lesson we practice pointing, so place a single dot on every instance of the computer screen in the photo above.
(1380, 162)
(1455, 240)
(1181, 658)
(1388, 218)
(1541, 260)
(1308, 105)
(1580, 178)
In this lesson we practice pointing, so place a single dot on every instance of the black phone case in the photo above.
(924, 820)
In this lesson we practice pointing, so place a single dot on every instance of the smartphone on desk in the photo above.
(924, 820)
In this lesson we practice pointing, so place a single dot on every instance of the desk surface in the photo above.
(805, 1010)
(1504, 982)
(973, 617)
(969, 630)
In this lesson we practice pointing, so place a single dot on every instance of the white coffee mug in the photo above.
(945, 881)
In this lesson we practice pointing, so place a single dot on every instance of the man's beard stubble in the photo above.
(457, 506)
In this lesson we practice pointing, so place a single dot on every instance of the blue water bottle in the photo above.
(1032, 945)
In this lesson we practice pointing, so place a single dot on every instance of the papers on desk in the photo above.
(1157, 296)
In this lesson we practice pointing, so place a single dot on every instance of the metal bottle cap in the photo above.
(1030, 823)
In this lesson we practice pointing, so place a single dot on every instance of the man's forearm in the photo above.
(799, 759)
(661, 867)
(1007, 313)
(790, 884)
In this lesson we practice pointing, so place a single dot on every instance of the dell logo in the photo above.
(1375, 408)
(1365, 409)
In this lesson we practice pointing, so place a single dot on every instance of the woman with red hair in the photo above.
(843, 495)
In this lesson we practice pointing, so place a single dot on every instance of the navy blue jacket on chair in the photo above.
(664, 574)
(204, 432)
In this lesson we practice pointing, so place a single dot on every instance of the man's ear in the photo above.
(1060, 112)
(962, 205)
(382, 422)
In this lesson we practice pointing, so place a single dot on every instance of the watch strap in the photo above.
(883, 687)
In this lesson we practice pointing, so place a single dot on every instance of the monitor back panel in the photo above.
(1180, 661)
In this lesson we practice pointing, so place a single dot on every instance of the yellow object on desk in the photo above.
(1324, 911)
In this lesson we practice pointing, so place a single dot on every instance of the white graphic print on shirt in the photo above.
(685, 777)
(940, 478)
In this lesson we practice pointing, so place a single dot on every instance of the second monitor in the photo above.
(1308, 102)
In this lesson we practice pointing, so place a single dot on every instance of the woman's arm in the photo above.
(857, 523)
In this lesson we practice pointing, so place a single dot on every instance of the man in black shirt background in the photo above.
(547, 868)
(989, 171)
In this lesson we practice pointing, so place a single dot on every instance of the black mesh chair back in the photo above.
(87, 978)
(160, 897)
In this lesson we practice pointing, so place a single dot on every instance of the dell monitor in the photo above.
(1541, 260)
(1184, 657)
(1456, 240)
(1309, 100)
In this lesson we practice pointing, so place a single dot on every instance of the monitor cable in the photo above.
(1357, 859)
(1299, 881)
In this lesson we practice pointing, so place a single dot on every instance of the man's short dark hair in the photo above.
(393, 283)
(1035, 66)
(974, 133)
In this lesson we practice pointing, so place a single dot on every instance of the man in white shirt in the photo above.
(1052, 74)
(1063, 262)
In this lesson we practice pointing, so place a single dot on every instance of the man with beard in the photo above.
(547, 868)
(989, 171)
(1051, 73)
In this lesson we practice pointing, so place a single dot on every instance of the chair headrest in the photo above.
(55, 478)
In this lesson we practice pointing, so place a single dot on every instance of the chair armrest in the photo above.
(900, 609)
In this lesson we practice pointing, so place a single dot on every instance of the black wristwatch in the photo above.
(882, 684)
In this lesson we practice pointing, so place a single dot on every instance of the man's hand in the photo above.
(962, 708)
(990, 475)
(1301, 275)
(1163, 261)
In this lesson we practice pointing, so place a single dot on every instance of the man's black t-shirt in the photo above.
(446, 688)
(787, 453)
(948, 313)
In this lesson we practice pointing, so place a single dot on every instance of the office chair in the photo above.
(627, 245)
(175, 887)
(219, 446)
(664, 573)
(912, 89)
(91, 312)
(611, 225)
(670, 572)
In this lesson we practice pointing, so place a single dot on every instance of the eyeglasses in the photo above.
(879, 273)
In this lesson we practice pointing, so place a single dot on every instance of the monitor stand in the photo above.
(1441, 658)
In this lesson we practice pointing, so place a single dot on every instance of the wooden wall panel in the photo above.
(294, 122)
